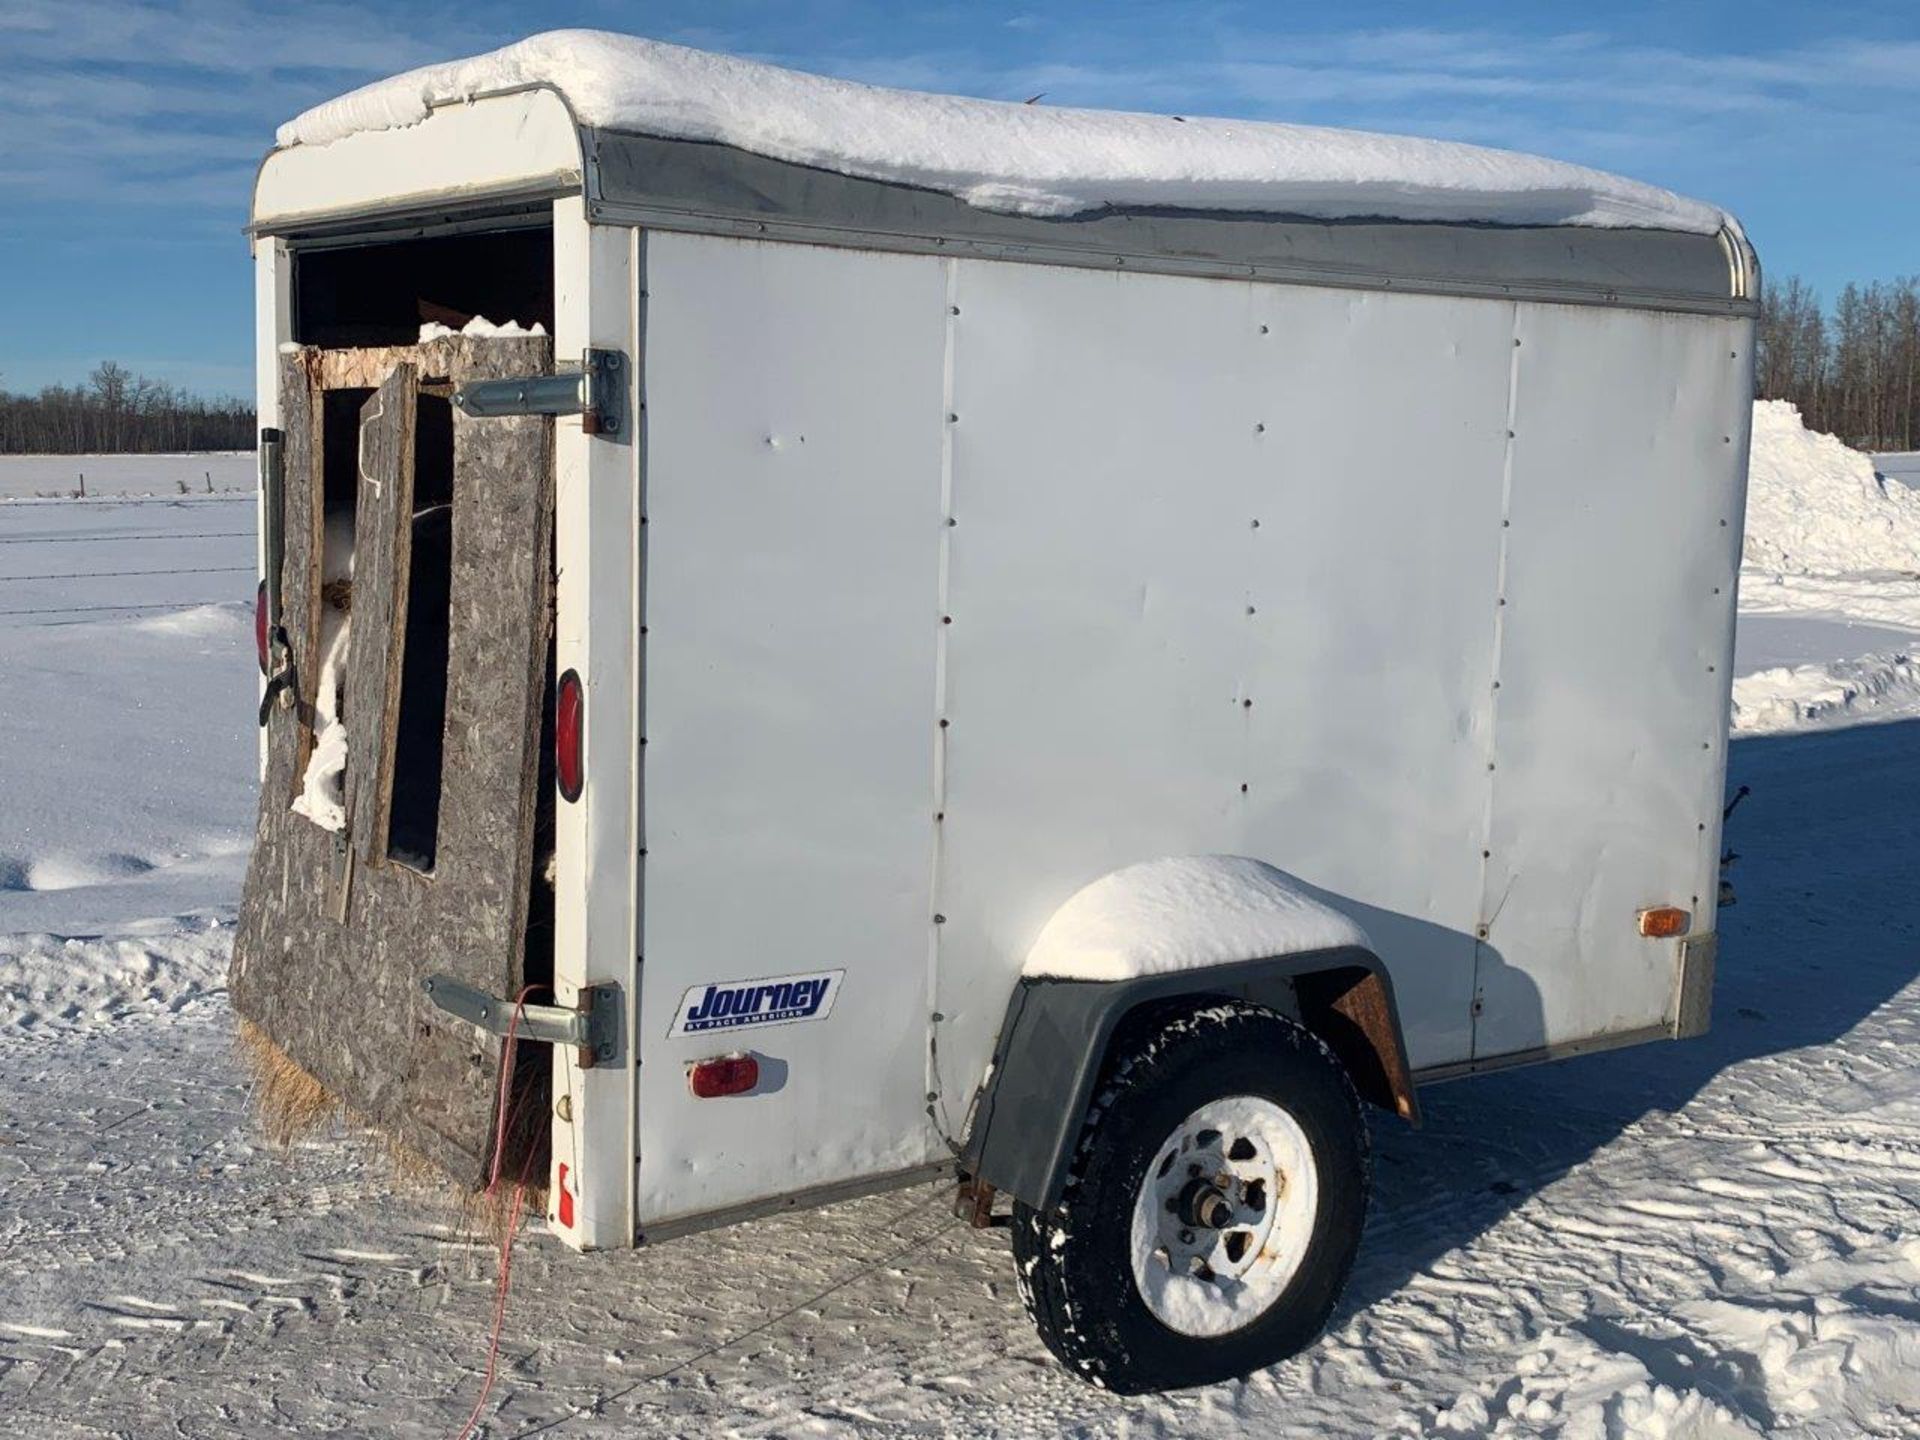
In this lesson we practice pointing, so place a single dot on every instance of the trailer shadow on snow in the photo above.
(1823, 935)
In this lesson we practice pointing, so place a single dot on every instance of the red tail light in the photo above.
(260, 626)
(569, 744)
(723, 1075)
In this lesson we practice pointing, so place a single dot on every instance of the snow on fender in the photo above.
(1184, 913)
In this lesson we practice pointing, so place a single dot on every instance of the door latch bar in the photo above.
(593, 1028)
(595, 390)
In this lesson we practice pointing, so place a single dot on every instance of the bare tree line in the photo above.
(1854, 372)
(119, 413)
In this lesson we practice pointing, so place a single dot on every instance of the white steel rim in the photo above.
(1224, 1216)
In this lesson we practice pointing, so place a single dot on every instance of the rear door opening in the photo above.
(417, 584)
(413, 817)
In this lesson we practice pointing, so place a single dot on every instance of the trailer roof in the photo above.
(1014, 159)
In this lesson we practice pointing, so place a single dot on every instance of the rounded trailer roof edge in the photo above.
(1018, 158)
(712, 188)
(497, 158)
(521, 144)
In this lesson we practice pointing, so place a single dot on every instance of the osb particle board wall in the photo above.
(331, 948)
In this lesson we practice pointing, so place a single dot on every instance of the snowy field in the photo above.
(61, 476)
(1714, 1239)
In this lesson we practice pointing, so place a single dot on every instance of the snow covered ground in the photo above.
(48, 476)
(1713, 1239)
(126, 642)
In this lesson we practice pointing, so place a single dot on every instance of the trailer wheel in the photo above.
(1213, 1209)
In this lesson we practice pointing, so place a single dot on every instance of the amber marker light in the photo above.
(1661, 922)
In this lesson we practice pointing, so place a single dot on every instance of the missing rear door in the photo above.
(335, 938)
(320, 792)
(413, 821)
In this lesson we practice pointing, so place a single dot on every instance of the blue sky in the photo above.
(129, 132)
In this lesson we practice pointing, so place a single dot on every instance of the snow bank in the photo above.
(52, 984)
(1175, 914)
(1830, 1348)
(1566, 1385)
(1024, 159)
(221, 620)
(1816, 506)
(322, 798)
(1838, 692)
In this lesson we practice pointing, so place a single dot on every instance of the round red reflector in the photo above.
(260, 628)
(723, 1075)
(569, 743)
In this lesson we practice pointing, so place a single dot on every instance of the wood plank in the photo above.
(382, 547)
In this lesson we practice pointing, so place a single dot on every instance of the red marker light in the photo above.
(260, 626)
(723, 1075)
(569, 743)
(565, 1205)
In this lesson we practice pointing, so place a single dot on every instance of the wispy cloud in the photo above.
(138, 104)
(1687, 118)
(130, 129)
(171, 103)
(227, 37)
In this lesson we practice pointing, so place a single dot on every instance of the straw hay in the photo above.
(290, 1106)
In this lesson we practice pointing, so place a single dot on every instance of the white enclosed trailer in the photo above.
(1083, 641)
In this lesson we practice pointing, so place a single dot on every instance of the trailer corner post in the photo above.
(272, 327)
(596, 528)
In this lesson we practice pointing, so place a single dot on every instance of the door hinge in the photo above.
(593, 1027)
(595, 390)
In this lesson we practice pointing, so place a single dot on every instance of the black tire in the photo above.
(1074, 1263)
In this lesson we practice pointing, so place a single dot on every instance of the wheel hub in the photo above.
(1223, 1215)
(1202, 1204)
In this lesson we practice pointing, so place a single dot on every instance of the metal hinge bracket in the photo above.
(594, 1027)
(595, 390)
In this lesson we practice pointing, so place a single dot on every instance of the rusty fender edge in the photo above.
(1053, 1045)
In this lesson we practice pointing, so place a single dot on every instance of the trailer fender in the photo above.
(1167, 931)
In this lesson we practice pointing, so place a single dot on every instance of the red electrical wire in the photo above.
(501, 1092)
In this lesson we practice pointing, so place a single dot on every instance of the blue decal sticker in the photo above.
(776, 1000)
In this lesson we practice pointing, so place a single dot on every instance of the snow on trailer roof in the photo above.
(1030, 160)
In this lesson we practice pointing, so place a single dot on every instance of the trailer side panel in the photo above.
(1224, 582)
(1628, 492)
(794, 450)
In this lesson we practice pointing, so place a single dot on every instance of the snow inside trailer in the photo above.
(1014, 572)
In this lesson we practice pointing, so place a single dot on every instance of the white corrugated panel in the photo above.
(1628, 487)
(1116, 608)
(793, 456)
